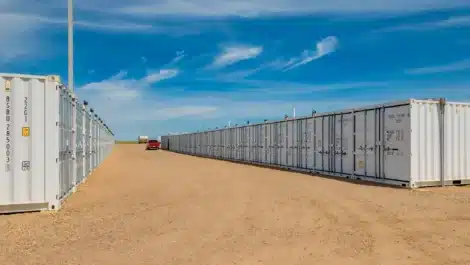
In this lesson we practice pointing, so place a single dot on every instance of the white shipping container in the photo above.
(30, 176)
(412, 143)
(43, 136)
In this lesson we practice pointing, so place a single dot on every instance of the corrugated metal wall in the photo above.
(397, 143)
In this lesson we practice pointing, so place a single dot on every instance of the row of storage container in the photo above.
(51, 142)
(414, 143)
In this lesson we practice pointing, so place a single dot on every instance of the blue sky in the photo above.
(150, 67)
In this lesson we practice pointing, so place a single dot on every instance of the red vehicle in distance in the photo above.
(153, 145)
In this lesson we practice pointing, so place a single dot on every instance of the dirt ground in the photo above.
(155, 207)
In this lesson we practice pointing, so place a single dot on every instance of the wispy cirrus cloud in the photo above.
(324, 47)
(254, 8)
(118, 87)
(22, 33)
(451, 22)
(161, 75)
(179, 56)
(451, 67)
(233, 54)
(107, 25)
(128, 100)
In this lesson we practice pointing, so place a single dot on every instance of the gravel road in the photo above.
(155, 207)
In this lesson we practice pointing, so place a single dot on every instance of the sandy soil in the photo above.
(154, 207)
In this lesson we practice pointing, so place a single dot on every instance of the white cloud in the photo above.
(119, 26)
(243, 8)
(234, 54)
(118, 88)
(451, 67)
(451, 22)
(161, 75)
(324, 47)
(179, 56)
(120, 100)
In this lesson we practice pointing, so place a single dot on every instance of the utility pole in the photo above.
(70, 44)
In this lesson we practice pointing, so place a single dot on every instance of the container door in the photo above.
(65, 144)
(310, 144)
(266, 143)
(255, 143)
(290, 145)
(278, 144)
(212, 145)
(232, 143)
(237, 143)
(221, 144)
(194, 139)
(80, 144)
(348, 143)
(342, 150)
(227, 143)
(321, 145)
(261, 140)
(303, 152)
(397, 143)
(273, 143)
(282, 144)
(208, 144)
(271, 148)
(224, 140)
(300, 139)
(240, 143)
(294, 143)
(298, 147)
(259, 136)
(217, 145)
(366, 125)
(249, 140)
(304, 143)
(246, 143)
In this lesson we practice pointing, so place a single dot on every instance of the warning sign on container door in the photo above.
(25, 131)
(25, 165)
(7, 85)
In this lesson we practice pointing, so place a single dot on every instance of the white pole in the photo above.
(293, 112)
(70, 44)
